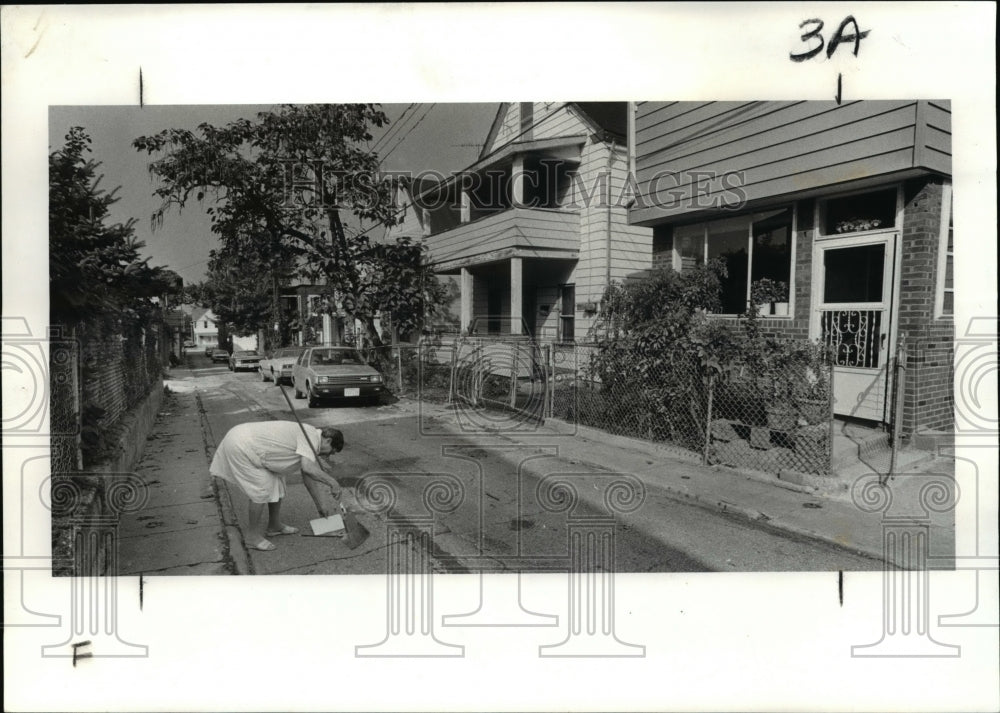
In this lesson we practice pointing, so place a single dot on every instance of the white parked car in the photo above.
(335, 372)
(278, 364)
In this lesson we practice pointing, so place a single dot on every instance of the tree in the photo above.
(94, 265)
(236, 293)
(281, 185)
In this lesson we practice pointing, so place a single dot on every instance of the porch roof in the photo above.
(519, 232)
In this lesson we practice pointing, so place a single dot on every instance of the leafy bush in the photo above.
(658, 350)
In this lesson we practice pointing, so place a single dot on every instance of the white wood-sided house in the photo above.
(204, 328)
(537, 227)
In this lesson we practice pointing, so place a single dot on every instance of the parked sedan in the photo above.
(335, 372)
(248, 359)
(278, 365)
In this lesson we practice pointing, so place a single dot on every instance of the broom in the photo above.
(356, 532)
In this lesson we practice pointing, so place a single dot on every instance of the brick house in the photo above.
(848, 205)
(537, 227)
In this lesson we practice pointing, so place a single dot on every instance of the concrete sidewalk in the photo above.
(182, 529)
(831, 515)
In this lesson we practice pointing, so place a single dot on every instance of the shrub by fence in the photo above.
(749, 403)
(767, 419)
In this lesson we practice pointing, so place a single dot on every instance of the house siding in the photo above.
(554, 120)
(756, 150)
(559, 246)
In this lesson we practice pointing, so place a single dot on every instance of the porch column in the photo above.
(517, 182)
(327, 329)
(466, 311)
(516, 295)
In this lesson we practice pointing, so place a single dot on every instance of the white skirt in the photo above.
(239, 462)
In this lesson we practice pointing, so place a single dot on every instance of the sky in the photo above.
(430, 137)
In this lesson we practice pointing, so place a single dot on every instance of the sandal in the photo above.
(264, 546)
(285, 530)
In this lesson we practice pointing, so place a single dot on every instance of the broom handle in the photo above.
(305, 435)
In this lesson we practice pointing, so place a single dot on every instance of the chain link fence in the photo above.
(769, 422)
(421, 370)
(772, 420)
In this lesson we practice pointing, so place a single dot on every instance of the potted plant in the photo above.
(857, 225)
(770, 297)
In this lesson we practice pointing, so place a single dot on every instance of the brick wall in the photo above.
(113, 369)
(929, 391)
(64, 400)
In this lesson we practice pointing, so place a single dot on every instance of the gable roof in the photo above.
(605, 118)
(200, 312)
(494, 129)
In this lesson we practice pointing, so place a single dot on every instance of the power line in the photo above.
(396, 146)
(383, 141)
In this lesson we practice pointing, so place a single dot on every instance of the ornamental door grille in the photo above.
(855, 288)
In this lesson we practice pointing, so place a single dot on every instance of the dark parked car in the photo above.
(335, 372)
(246, 359)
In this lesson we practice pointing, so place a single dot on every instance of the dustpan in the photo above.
(332, 526)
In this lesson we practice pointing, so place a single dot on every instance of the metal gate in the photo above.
(505, 373)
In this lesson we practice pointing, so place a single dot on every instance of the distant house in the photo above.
(537, 227)
(205, 330)
(848, 205)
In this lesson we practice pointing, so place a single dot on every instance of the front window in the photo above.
(945, 299)
(567, 313)
(757, 246)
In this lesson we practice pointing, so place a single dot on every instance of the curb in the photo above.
(766, 520)
(721, 506)
(238, 555)
(710, 504)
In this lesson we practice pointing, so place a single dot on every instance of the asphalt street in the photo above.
(496, 501)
